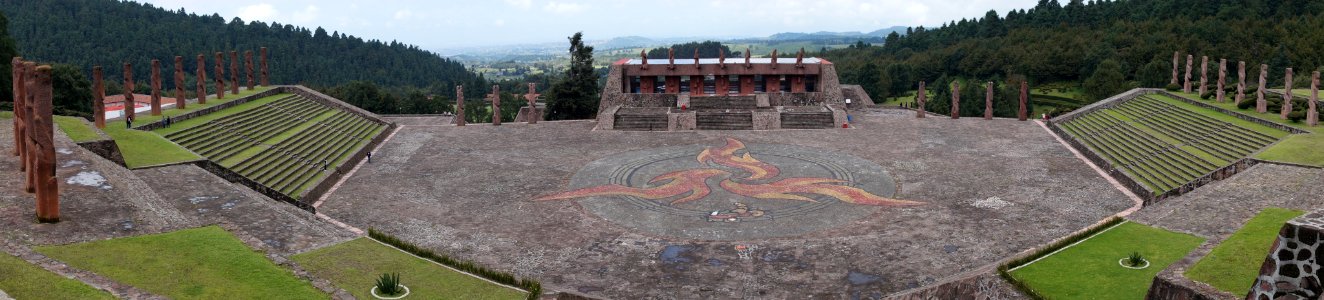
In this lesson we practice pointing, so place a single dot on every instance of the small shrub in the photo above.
(1207, 95)
(1135, 259)
(1173, 87)
(1246, 104)
(1250, 91)
(389, 284)
(1296, 116)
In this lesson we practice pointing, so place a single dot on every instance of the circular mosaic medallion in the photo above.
(733, 191)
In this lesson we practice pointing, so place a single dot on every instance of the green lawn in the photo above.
(1233, 265)
(213, 116)
(1298, 149)
(22, 280)
(355, 265)
(146, 117)
(76, 128)
(1271, 116)
(146, 148)
(199, 263)
(1225, 117)
(1089, 270)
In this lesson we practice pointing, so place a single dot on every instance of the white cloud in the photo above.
(403, 14)
(563, 7)
(499, 22)
(307, 15)
(260, 11)
(520, 4)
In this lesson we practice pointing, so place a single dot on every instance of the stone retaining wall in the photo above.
(1170, 284)
(1121, 177)
(333, 176)
(1238, 115)
(208, 110)
(231, 176)
(1291, 270)
(331, 101)
(106, 148)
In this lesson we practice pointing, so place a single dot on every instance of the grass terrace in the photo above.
(1295, 149)
(22, 280)
(144, 118)
(76, 128)
(1234, 264)
(1090, 269)
(354, 265)
(145, 148)
(199, 263)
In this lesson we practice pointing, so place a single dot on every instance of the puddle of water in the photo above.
(674, 254)
(857, 278)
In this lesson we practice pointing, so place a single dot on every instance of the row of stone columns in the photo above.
(495, 99)
(1261, 105)
(34, 135)
(99, 92)
(1021, 114)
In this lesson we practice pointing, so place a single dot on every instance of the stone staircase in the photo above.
(807, 120)
(723, 102)
(743, 120)
(641, 122)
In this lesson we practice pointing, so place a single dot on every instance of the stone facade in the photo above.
(1292, 267)
(766, 120)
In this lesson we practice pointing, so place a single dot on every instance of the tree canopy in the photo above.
(575, 96)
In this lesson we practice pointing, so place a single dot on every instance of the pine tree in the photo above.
(576, 95)
(7, 53)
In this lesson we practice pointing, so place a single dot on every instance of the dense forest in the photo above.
(707, 49)
(1133, 40)
(86, 33)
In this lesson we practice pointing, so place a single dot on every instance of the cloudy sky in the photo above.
(450, 23)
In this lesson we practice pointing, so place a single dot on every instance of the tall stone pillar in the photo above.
(919, 110)
(988, 100)
(459, 105)
(1241, 82)
(1204, 74)
(1261, 106)
(156, 87)
(234, 72)
(533, 114)
(98, 98)
(696, 85)
(1312, 115)
(1023, 115)
(1287, 94)
(956, 100)
(179, 83)
(797, 83)
(746, 84)
(29, 128)
(647, 84)
(248, 66)
(721, 85)
(220, 75)
(495, 98)
(129, 104)
(43, 148)
(262, 57)
(1190, 64)
(1175, 65)
(1222, 76)
(202, 79)
(673, 84)
(20, 98)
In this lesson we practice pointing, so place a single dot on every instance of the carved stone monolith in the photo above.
(29, 110)
(1022, 114)
(43, 147)
(262, 57)
(98, 98)
(202, 79)
(1222, 76)
(1312, 115)
(248, 65)
(459, 105)
(1204, 74)
(919, 109)
(179, 83)
(1241, 82)
(1261, 106)
(18, 74)
(220, 75)
(130, 106)
(532, 114)
(495, 99)
(234, 72)
(956, 100)
(988, 100)
(1175, 65)
(1190, 64)
(156, 87)
(1287, 94)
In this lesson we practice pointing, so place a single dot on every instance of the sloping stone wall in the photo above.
(1291, 270)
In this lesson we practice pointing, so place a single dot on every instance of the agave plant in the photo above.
(1135, 259)
(389, 284)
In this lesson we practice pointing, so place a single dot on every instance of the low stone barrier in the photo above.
(208, 110)
(231, 176)
(1238, 115)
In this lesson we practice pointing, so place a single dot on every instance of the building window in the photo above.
(811, 83)
(758, 84)
(684, 84)
(634, 84)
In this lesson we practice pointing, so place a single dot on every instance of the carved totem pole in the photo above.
(262, 57)
(234, 72)
(1312, 116)
(1022, 114)
(1175, 65)
(29, 113)
(1241, 82)
(130, 106)
(1287, 94)
(495, 98)
(1222, 76)
(248, 65)
(179, 83)
(919, 111)
(20, 98)
(956, 100)
(1186, 84)
(1204, 74)
(156, 87)
(202, 79)
(532, 98)
(98, 98)
(988, 100)
(220, 75)
(42, 144)
(459, 105)
(1261, 106)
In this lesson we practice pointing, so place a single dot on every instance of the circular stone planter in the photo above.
(1121, 262)
(374, 293)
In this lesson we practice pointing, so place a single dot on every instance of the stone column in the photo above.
(156, 87)
(495, 98)
(43, 148)
(248, 66)
(129, 104)
(1204, 74)
(202, 79)
(1312, 115)
(1025, 89)
(919, 111)
(459, 105)
(234, 72)
(1190, 64)
(179, 83)
(988, 100)
(1287, 94)
(1261, 106)
(956, 100)
(220, 75)
(1241, 82)
(98, 98)
(262, 57)
(29, 127)
(20, 98)
(1175, 64)
(532, 97)
(1222, 76)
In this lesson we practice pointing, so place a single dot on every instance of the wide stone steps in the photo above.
(641, 122)
(723, 102)
(802, 120)
(724, 120)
